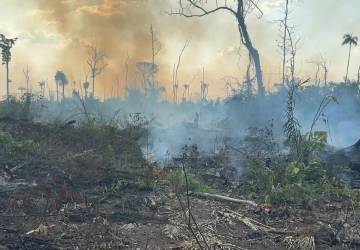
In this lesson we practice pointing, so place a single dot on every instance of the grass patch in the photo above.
(178, 182)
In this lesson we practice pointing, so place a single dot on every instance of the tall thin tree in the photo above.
(176, 71)
(6, 45)
(351, 40)
(155, 49)
(26, 72)
(285, 23)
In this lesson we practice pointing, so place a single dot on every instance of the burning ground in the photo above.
(75, 176)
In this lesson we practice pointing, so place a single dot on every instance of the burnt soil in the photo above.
(65, 194)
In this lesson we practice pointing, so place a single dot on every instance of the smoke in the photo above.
(56, 33)
(53, 35)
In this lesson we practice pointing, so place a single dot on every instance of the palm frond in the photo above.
(350, 39)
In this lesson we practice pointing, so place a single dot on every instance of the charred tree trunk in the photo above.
(348, 64)
(57, 91)
(7, 83)
(63, 91)
(152, 57)
(93, 85)
(253, 52)
(248, 78)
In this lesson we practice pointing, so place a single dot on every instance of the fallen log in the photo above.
(254, 225)
(223, 198)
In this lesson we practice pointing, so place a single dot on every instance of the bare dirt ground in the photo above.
(33, 219)
(62, 197)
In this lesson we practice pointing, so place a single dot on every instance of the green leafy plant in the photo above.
(10, 147)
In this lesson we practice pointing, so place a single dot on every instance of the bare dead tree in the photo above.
(325, 68)
(316, 77)
(289, 45)
(126, 64)
(285, 22)
(229, 85)
(96, 62)
(240, 9)
(176, 69)
(117, 83)
(155, 49)
(175, 85)
(204, 87)
(294, 44)
(26, 72)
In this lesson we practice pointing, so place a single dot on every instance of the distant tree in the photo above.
(186, 94)
(238, 9)
(61, 80)
(42, 87)
(26, 72)
(325, 69)
(176, 71)
(351, 40)
(5, 45)
(147, 71)
(155, 49)
(86, 85)
(96, 63)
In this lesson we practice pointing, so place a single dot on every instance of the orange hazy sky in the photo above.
(53, 35)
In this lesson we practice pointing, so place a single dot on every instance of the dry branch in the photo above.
(224, 198)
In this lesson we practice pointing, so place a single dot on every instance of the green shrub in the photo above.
(10, 147)
(257, 176)
(142, 184)
(17, 109)
(178, 181)
(291, 183)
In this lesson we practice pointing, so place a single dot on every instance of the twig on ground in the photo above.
(224, 198)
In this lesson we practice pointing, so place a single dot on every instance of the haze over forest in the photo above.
(53, 36)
